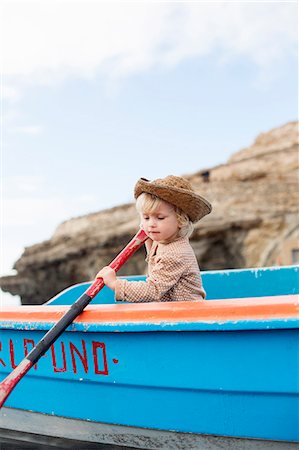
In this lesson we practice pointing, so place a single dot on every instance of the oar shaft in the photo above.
(9, 383)
(54, 332)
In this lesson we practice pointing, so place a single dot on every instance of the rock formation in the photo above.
(254, 223)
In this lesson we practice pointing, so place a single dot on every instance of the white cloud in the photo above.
(28, 211)
(32, 130)
(8, 301)
(47, 41)
(11, 251)
(16, 185)
(10, 93)
(37, 218)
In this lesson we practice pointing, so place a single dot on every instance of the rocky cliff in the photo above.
(254, 223)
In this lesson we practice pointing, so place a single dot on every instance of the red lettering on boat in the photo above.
(12, 354)
(83, 358)
(95, 346)
(57, 369)
(1, 360)
(26, 351)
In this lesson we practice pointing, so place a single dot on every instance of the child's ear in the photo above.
(179, 223)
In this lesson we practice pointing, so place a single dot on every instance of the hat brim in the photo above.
(195, 206)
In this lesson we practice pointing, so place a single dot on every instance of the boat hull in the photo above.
(241, 383)
(218, 369)
(26, 426)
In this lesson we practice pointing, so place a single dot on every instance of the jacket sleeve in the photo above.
(164, 275)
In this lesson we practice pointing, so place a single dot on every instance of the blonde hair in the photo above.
(148, 204)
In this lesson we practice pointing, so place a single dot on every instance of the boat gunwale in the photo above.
(251, 313)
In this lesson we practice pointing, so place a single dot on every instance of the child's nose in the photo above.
(152, 222)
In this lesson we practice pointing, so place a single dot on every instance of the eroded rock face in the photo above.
(254, 223)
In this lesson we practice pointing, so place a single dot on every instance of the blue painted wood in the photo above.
(235, 379)
(242, 384)
(124, 327)
(221, 284)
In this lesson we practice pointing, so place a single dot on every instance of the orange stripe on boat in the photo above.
(258, 308)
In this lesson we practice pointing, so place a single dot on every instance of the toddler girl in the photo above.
(168, 209)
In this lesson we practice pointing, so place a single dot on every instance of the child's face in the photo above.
(161, 225)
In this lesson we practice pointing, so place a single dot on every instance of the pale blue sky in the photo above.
(102, 93)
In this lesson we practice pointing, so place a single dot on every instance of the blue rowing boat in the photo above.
(173, 375)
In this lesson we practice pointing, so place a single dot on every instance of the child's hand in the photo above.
(109, 277)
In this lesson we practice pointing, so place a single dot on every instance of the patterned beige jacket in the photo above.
(173, 275)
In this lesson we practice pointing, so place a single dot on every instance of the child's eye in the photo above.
(161, 218)
(145, 217)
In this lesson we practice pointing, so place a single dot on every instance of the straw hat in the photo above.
(177, 191)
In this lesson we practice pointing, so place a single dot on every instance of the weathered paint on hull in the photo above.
(241, 383)
(25, 422)
(223, 367)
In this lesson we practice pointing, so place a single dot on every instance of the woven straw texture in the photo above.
(177, 191)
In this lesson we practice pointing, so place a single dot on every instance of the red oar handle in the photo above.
(119, 261)
(9, 383)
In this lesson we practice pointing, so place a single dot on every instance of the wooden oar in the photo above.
(9, 383)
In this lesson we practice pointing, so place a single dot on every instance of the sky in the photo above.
(95, 95)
